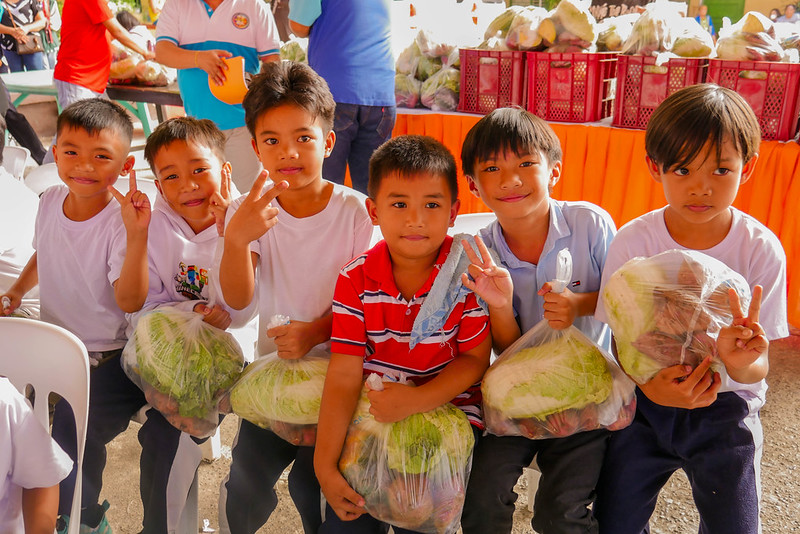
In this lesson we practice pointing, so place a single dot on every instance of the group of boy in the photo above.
(283, 248)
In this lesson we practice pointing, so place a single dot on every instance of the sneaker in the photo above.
(62, 525)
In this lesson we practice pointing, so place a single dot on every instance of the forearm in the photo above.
(750, 374)
(585, 303)
(237, 275)
(340, 396)
(122, 35)
(131, 294)
(321, 329)
(172, 55)
(39, 509)
(38, 24)
(505, 329)
(299, 29)
(461, 373)
(28, 278)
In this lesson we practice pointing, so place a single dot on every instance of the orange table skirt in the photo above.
(606, 166)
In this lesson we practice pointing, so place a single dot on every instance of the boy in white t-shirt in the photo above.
(90, 264)
(296, 248)
(702, 144)
(31, 466)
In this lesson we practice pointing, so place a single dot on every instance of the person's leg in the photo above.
(365, 524)
(570, 468)
(497, 464)
(723, 444)
(636, 466)
(304, 489)
(113, 399)
(14, 61)
(245, 165)
(247, 496)
(375, 125)
(19, 127)
(33, 61)
(345, 126)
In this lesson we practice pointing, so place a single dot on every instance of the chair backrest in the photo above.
(50, 360)
(14, 160)
(41, 177)
(471, 223)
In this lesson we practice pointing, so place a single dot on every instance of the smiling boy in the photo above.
(298, 241)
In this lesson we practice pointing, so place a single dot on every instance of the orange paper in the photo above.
(233, 90)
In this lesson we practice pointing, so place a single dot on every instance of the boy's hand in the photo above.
(489, 281)
(216, 316)
(560, 309)
(393, 403)
(135, 206)
(9, 302)
(293, 340)
(344, 500)
(255, 215)
(212, 62)
(220, 201)
(680, 387)
(744, 341)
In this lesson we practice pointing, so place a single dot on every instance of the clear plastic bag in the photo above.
(668, 310)
(283, 395)
(555, 383)
(440, 91)
(412, 473)
(184, 366)
(406, 91)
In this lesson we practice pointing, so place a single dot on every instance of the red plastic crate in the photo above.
(571, 87)
(771, 89)
(642, 86)
(490, 80)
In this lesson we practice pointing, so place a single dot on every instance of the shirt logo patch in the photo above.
(240, 20)
(576, 283)
(190, 281)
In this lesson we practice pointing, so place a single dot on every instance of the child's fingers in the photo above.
(699, 373)
(736, 304)
(470, 252)
(276, 190)
(547, 287)
(467, 281)
(484, 250)
(755, 304)
(277, 331)
(258, 185)
(116, 194)
(225, 189)
(132, 186)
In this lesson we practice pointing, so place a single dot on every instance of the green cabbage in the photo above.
(427, 67)
(294, 50)
(280, 390)
(406, 91)
(440, 91)
(187, 360)
(562, 374)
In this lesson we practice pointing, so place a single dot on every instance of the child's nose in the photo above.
(414, 217)
(701, 185)
(510, 179)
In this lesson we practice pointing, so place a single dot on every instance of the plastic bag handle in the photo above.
(563, 271)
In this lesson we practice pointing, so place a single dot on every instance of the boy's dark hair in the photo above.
(692, 117)
(127, 19)
(287, 82)
(94, 115)
(201, 131)
(506, 129)
(409, 156)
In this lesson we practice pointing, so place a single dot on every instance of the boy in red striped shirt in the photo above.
(413, 197)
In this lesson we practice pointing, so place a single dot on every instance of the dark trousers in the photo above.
(19, 127)
(570, 468)
(113, 400)
(359, 131)
(719, 448)
(259, 457)
(366, 524)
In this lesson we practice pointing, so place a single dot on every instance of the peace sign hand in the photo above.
(220, 201)
(255, 215)
(489, 281)
(744, 341)
(135, 207)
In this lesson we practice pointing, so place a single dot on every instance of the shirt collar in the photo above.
(558, 229)
(378, 267)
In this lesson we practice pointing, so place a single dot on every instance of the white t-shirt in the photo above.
(181, 271)
(300, 259)
(17, 223)
(29, 458)
(78, 261)
(750, 249)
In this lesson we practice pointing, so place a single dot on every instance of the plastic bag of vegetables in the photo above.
(555, 383)
(295, 49)
(406, 91)
(668, 310)
(412, 473)
(184, 366)
(440, 91)
(283, 395)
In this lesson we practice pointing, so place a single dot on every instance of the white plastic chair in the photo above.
(41, 177)
(14, 160)
(471, 223)
(50, 360)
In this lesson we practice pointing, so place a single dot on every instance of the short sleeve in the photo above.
(474, 325)
(615, 259)
(349, 332)
(117, 250)
(305, 12)
(169, 22)
(267, 40)
(606, 230)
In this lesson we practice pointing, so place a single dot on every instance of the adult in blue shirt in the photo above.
(350, 46)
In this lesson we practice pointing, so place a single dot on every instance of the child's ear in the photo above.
(158, 185)
(454, 207)
(55, 154)
(255, 146)
(555, 174)
(330, 141)
(748, 168)
(473, 187)
(128, 165)
(654, 169)
(372, 211)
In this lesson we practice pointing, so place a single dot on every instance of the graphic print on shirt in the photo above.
(190, 281)
(240, 21)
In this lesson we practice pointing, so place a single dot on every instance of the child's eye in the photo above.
(270, 141)
(304, 138)
(432, 205)
(681, 171)
(200, 170)
(528, 163)
(399, 205)
(722, 171)
(169, 177)
(70, 152)
(103, 156)
(491, 168)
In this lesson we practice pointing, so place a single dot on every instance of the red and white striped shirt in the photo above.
(372, 320)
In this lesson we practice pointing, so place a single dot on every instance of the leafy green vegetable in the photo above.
(440, 91)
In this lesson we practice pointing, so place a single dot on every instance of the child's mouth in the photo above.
(82, 180)
(193, 203)
(290, 170)
(414, 237)
(513, 198)
(697, 208)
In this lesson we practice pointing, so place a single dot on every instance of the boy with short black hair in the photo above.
(298, 244)
(512, 160)
(702, 144)
(413, 198)
(86, 244)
